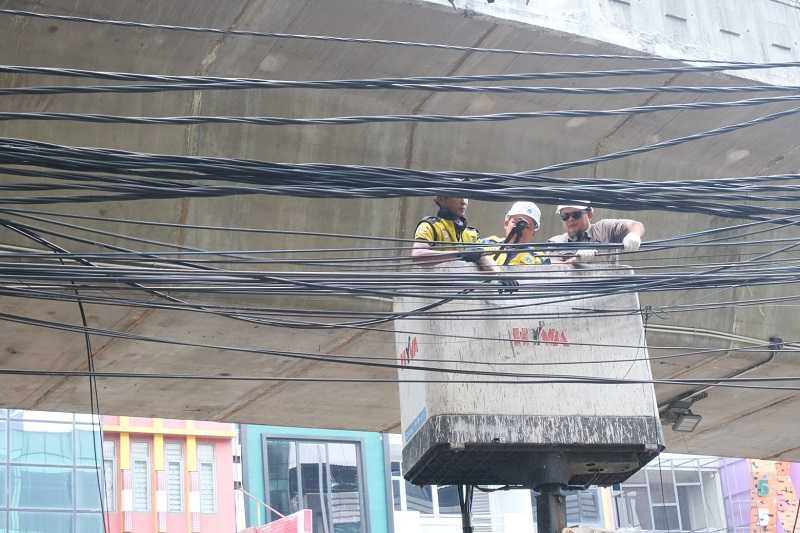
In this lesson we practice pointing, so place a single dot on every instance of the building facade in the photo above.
(168, 476)
(337, 475)
(156, 475)
(760, 496)
(49, 478)
(342, 477)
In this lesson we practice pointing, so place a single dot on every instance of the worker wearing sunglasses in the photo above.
(577, 220)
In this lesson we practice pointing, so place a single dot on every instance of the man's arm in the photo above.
(632, 239)
(634, 226)
(563, 257)
(423, 253)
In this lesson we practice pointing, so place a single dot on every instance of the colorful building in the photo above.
(168, 476)
(761, 496)
(156, 475)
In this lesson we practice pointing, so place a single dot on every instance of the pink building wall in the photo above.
(122, 431)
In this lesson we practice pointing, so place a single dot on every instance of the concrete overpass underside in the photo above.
(735, 422)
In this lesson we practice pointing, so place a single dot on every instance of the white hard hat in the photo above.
(526, 208)
(586, 205)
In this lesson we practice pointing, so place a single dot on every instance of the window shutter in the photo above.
(208, 482)
(173, 452)
(141, 476)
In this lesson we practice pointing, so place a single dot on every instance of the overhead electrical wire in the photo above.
(388, 82)
(338, 39)
(91, 175)
(353, 181)
(99, 118)
(94, 395)
(431, 87)
(96, 175)
(534, 378)
(784, 222)
(295, 379)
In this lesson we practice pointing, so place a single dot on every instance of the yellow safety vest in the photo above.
(520, 258)
(437, 230)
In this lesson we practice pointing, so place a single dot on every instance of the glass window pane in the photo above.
(110, 482)
(343, 464)
(637, 478)
(313, 479)
(46, 416)
(205, 452)
(714, 508)
(344, 497)
(634, 508)
(396, 494)
(3, 441)
(3, 518)
(665, 517)
(583, 508)
(110, 474)
(448, 500)
(687, 476)
(40, 487)
(88, 448)
(419, 498)
(41, 443)
(87, 490)
(396, 468)
(691, 504)
(89, 523)
(657, 479)
(324, 477)
(282, 472)
(2, 488)
(28, 522)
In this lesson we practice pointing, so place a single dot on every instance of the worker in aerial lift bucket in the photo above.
(449, 225)
(520, 225)
(577, 221)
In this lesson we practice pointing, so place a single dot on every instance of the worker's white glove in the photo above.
(582, 256)
(631, 242)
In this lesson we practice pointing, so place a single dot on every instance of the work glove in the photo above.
(471, 257)
(631, 242)
(583, 256)
(509, 286)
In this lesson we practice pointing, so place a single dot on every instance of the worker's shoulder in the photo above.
(563, 237)
(430, 220)
(611, 221)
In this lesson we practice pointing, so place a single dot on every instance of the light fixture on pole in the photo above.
(680, 414)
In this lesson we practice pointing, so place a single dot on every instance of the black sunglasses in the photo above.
(574, 215)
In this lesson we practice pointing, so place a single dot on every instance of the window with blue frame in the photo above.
(48, 478)
(323, 476)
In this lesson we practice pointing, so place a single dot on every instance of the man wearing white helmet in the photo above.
(521, 223)
(579, 228)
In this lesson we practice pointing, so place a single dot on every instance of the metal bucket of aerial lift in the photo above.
(526, 434)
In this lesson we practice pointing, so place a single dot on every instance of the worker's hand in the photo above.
(582, 256)
(585, 255)
(471, 257)
(510, 286)
(631, 242)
